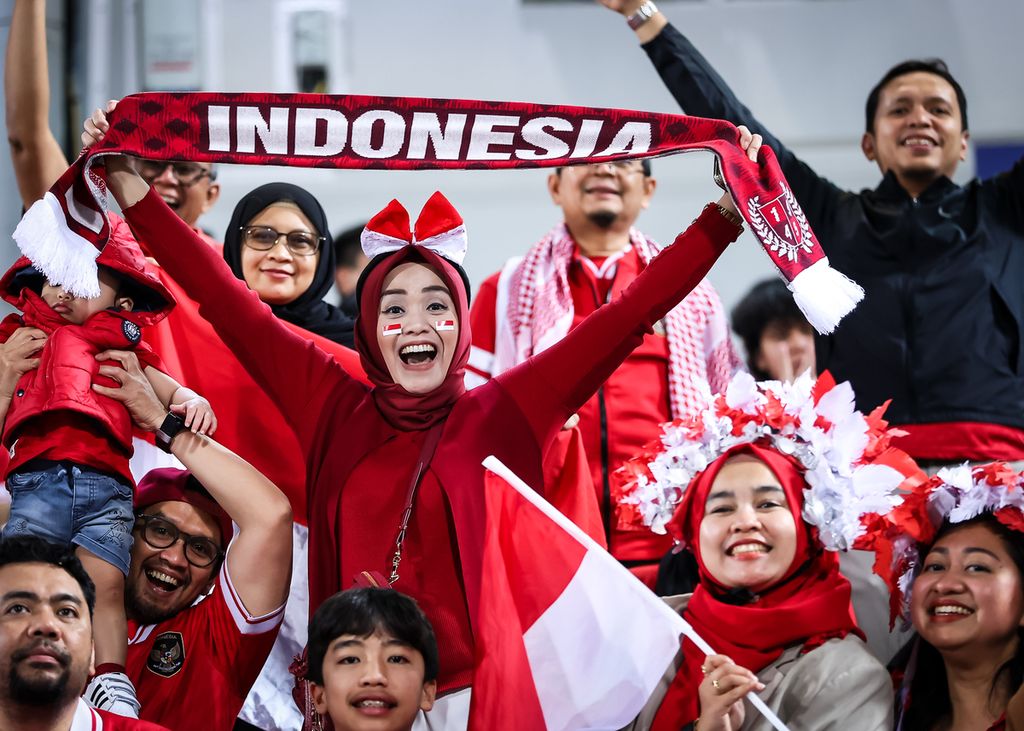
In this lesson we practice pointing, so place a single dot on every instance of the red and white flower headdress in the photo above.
(439, 228)
(852, 472)
(954, 495)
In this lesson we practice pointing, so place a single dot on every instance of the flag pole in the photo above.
(496, 466)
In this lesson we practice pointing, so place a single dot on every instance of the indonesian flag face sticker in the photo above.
(444, 325)
(394, 328)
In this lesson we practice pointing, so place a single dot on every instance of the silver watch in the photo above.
(644, 13)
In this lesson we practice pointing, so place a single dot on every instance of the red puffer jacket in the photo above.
(68, 367)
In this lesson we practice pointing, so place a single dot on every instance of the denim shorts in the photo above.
(68, 504)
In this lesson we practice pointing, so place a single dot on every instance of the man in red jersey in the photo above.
(203, 608)
(46, 651)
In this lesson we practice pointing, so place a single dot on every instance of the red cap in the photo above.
(170, 484)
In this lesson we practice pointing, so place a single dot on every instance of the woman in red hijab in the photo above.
(777, 492)
(394, 472)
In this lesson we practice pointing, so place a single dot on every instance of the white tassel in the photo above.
(64, 257)
(825, 295)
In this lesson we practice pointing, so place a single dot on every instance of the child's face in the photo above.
(77, 310)
(373, 683)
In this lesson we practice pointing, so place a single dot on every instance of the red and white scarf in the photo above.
(62, 233)
(535, 311)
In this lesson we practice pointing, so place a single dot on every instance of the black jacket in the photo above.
(940, 328)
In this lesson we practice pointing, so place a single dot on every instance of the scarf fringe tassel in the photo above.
(58, 252)
(825, 295)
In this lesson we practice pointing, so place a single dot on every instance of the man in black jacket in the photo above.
(940, 328)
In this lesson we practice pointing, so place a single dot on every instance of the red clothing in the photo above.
(514, 416)
(55, 414)
(627, 411)
(89, 719)
(194, 670)
(962, 440)
(249, 423)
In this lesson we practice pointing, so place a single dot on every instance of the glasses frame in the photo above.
(245, 240)
(164, 164)
(143, 520)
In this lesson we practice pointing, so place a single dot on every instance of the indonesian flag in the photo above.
(566, 637)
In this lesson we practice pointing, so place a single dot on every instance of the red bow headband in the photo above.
(439, 228)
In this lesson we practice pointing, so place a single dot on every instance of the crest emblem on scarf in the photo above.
(168, 654)
(781, 224)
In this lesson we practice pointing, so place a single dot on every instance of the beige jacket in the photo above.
(839, 686)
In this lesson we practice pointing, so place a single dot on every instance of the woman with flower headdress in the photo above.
(764, 487)
(953, 556)
(394, 471)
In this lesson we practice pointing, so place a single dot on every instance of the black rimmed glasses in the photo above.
(264, 238)
(187, 173)
(161, 533)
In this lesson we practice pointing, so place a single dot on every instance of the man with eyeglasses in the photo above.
(582, 263)
(203, 608)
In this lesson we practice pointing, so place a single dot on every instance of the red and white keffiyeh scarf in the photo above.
(535, 310)
(63, 233)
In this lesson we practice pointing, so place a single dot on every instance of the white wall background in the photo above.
(804, 66)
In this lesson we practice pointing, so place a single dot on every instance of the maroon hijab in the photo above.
(403, 410)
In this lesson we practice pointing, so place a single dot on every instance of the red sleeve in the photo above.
(293, 371)
(556, 382)
(483, 323)
(238, 635)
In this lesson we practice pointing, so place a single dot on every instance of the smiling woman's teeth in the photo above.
(417, 353)
(749, 548)
(947, 609)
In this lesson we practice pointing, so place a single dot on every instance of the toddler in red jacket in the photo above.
(70, 441)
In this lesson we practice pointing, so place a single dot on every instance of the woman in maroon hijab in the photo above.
(394, 471)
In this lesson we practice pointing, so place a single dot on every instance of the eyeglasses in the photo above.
(159, 532)
(264, 238)
(187, 173)
(624, 167)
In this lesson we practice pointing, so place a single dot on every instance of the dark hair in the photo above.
(929, 66)
(929, 703)
(347, 246)
(767, 303)
(361, 612)
(32, 549)
(213, 172)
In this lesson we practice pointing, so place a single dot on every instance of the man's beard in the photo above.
(145, 613)
(40, 691)
(602, 219)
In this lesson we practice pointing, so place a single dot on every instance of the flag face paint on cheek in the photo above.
(444, 325)
(394, 328)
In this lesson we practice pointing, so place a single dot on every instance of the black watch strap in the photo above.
(168, 430)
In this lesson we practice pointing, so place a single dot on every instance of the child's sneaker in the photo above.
(113, 692)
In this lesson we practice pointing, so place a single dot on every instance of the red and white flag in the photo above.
(394, 328)
(443, 325)
(566, 637)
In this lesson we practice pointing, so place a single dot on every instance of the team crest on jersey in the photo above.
(168, 654)
(781, 224)
(131, 331)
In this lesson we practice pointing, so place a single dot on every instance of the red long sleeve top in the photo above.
(356, 500)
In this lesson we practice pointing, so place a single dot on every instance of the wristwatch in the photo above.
(644, 13)
(168, 430)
